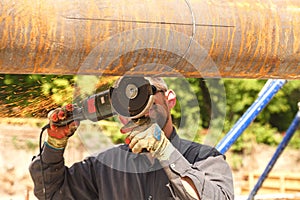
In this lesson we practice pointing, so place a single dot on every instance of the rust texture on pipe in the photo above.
(224, 38)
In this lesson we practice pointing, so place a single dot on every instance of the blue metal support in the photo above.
(289, 134)
(264, 97)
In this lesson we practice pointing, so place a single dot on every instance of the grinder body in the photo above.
(131, 98)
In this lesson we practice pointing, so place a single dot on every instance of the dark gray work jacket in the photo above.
(119, 174)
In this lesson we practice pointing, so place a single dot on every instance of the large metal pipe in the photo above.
(193, 38)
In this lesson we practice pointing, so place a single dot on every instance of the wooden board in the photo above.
(275, 183)
(224, 38)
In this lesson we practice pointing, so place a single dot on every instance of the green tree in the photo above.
(202, 103)
(280, 111)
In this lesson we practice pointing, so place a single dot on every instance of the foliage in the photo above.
(295, 140)
(33, 95)
(256, 133)
(278, 113)
(202, 104)
(186, 112)
(275, 118)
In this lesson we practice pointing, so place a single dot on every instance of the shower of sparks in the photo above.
(35, 95)
(22, 97)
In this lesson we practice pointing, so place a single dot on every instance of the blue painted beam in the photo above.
(264, 97)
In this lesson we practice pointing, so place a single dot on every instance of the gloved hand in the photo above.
(58, 135)
(150, 137)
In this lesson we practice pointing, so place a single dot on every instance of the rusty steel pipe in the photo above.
(192, 38)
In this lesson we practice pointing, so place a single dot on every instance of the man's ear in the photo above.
(171, 98)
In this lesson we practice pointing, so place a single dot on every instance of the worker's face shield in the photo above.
(179, 50)
(137, 101)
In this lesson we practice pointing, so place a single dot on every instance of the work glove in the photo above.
(58, 135)
(151, 138)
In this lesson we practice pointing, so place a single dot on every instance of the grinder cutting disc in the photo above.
(132, 97)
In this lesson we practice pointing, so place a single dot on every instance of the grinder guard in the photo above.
(132, 97)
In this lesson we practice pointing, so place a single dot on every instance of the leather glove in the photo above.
(58, 135)
(152, 138)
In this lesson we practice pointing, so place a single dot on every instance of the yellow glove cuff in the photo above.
(57, 143)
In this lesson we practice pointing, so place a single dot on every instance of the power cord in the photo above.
(41, 158)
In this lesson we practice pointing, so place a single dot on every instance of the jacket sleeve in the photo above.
(55, 180)
(212, 177)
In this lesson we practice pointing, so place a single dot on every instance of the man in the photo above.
(153, 164)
